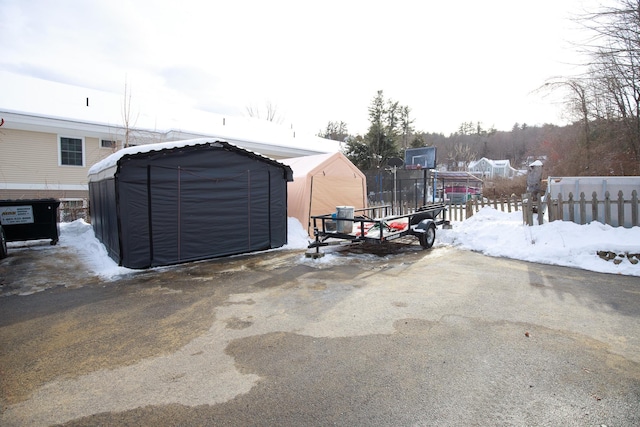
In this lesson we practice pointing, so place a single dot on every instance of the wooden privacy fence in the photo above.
(617, 212)
(460, 212)
(71, 210)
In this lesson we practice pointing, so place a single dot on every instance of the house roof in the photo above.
(493, 163)
(252, 134)
(501, 162)
(83, 106)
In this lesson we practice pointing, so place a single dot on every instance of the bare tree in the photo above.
(615, 69)
(127, 121)
(460, 155)
(270, 113)
(605, 99)
(579, 100)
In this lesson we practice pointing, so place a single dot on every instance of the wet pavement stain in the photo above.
(411, 338)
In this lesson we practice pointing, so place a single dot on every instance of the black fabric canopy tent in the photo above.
(168, 203)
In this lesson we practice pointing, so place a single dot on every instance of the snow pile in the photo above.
(489, 231)
(502, 234)
(79, 236)
(297, 237)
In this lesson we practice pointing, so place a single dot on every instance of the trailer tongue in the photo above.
(375, 226)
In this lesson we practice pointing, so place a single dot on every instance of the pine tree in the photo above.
(382, 137)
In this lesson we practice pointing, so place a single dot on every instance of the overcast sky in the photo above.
(450, 62)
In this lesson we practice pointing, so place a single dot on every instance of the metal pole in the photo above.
(425, 185)
(394, 199)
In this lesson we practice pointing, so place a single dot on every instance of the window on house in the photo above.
(106, 143)
(71, 151)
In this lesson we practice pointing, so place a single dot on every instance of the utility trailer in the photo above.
(368, 226)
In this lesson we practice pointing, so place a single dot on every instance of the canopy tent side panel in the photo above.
(104, 215)
(299, 200)
(277, 209)
(332, 191)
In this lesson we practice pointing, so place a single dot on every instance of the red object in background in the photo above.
(397, 225)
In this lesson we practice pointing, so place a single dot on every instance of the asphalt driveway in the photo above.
(441, 337)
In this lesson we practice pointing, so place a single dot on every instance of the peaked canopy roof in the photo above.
(108, 165)
(309, 165)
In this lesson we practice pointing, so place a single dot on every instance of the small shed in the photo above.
(321, 183)
(167, 203)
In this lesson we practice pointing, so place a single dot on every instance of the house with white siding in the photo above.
(490, 169)
(43, 156)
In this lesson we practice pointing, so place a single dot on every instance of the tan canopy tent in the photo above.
(320, 184)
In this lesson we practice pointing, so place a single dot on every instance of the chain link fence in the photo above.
(411, 188)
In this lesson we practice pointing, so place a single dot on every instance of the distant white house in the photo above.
(489, 169)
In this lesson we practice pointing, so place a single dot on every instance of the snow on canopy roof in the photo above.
(111, 161)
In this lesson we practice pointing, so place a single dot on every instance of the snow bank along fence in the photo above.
(460, 212)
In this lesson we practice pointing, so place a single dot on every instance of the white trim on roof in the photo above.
(29, 186)
(255, 135)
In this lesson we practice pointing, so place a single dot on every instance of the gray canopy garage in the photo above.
(162, 204)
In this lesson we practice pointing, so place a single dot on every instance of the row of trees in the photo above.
(391, 131)
(604, 138)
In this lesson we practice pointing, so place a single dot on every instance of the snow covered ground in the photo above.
(491, 232)
(564, 243)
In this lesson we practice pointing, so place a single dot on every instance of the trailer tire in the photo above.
(3, 244)
(428, 237)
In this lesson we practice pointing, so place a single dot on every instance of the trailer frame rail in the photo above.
(375, 225)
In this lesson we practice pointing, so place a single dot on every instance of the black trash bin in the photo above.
(30, 219)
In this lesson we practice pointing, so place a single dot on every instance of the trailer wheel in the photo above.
(3, 244)
(428, 237)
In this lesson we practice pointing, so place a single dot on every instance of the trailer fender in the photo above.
(426, 232)
(423, 225)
